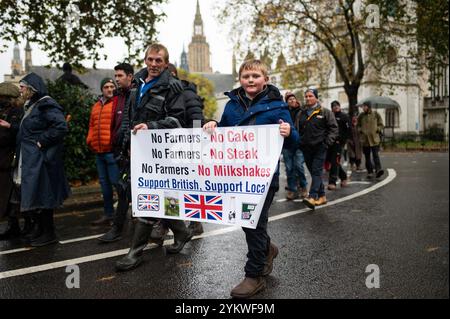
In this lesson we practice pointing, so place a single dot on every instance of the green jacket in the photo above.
(370, 126)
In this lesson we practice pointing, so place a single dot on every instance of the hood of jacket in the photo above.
(37, 83)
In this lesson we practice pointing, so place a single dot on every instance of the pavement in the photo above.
(396, 227)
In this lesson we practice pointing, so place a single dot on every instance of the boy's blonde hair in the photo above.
(254, 64)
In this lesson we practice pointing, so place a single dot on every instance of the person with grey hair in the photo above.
(11, 112)
(40, 167)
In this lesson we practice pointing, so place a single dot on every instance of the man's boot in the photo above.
(48, 235)
(197, 228)
(248, 287)
(271, 255)
(141, 235)
(181, 233)
(27, 226)
(159, 232)
(310, 202)
(114, 234)
(12, 229)
(120, 218)
(36, 223)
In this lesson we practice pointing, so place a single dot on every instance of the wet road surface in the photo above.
(399, 224)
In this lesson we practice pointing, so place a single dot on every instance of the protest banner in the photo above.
(193, 175)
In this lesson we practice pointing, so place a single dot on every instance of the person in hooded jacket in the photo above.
(11, 112)
(40, 167)
(257, 103)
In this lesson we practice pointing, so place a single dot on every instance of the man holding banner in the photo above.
(156, 103)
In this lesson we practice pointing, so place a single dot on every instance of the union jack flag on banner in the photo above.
(203, 206)
(148, 202)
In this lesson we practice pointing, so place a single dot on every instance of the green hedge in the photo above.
(79, 161)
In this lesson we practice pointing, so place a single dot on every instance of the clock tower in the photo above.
(199, 56)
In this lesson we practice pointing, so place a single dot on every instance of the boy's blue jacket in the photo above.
(266, 108)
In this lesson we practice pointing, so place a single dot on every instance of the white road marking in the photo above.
(7, 252)
(359, 182)
(45, 267)
(69, 241)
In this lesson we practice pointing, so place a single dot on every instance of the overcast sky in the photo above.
(174, 31)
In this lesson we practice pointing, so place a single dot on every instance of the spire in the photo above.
(198, 15)
(281, 62)
(250, 55)
(16, 52)
(266, 59)
(16, 63)
(198, 22)
(199, 56)
(28, 61)
(184, 64)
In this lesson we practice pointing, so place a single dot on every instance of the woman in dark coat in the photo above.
(40, 170)
(10, 114)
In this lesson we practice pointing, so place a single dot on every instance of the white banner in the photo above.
(189, 174)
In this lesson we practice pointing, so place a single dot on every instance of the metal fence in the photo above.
(415, 142)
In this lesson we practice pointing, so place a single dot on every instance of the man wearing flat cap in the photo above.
(10, 114)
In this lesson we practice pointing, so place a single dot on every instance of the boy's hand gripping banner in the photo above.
(193, 175)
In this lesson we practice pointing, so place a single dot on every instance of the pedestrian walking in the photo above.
(297, 185)
(193, 116)
(370, 126)
(318, 131)
(256, 102)
(354, 146)
(40, 166)
(123, 74)
(155, 103)
(336, 149)
(99, 140)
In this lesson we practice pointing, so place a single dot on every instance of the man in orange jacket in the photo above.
(99, 140)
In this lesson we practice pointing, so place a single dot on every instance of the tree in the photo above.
(79, 161)
(205, 89)
(72, 30)
(356, 35)
(433, 32)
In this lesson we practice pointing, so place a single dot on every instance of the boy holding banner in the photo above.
(257, 103)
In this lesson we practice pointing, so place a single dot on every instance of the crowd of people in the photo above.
(32, 130)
